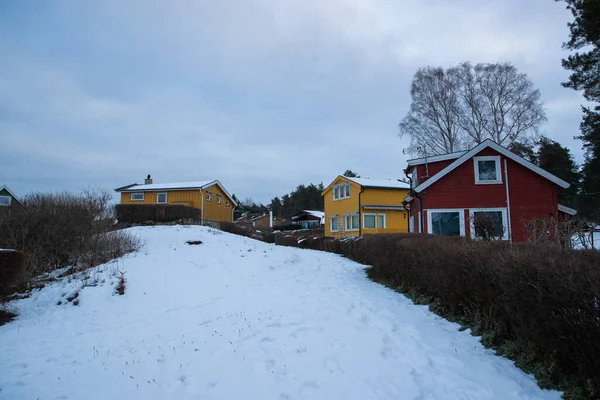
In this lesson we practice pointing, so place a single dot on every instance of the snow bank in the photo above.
(236, 318)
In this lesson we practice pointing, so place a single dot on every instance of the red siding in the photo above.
(431, 168)
(531, 195)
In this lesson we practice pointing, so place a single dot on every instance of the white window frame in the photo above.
(331, 223)
(498, 179)
(461, 218)
(411, 224)
(208, 196)
(384, 221)
(218, 199)
(420, 221)
(472, 212)
(363, 220)
(341, 191)
(9, 201)
(349, 228)
(135, 193)
(166, 197)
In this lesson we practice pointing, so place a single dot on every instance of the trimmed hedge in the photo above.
(537, 305)
(12, 270)
(142, 213)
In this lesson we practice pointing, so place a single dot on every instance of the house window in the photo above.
(5, 201)
(415, 178)
(227, 203)
(381, 221)
(218, 199)
(341, 191)
(446, 222)
(489, 223)
(487, 170)
(333, 223)
(411, 224)
(369, 221)
(352, 222)
(137, 196)
(161, 198)
(208, 196)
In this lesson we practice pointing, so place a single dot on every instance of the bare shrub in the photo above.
(64, 229)
(552, 230)
(487, 227)
(12, 270)
(142, 213)
(121, 285)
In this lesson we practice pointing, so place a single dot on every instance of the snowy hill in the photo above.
(233, 318)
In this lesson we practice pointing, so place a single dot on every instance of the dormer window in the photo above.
(487, 170)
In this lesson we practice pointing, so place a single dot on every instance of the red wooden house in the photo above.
(449, 192)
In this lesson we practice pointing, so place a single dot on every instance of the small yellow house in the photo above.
(358, 206)
(215, 203)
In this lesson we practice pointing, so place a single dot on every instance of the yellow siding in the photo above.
(396, 221)
(212, 210)
(217, 212)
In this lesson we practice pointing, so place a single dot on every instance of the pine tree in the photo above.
(351, 174)
(559, 161)
(585, 67)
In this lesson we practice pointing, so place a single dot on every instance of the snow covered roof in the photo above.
(379, 183)
(318, 214)
(163, 186)
(175, 186)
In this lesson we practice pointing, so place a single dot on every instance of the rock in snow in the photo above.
(240, 319)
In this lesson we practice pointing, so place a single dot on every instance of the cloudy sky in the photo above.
(260, 94)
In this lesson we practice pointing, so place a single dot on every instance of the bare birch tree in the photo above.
(432, 122)
(458, 108)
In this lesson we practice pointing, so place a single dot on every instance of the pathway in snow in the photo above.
(233, 318)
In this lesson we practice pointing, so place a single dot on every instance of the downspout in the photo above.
(362, 189)
(414, 193)
(404, 203)
(509, 227)
(202, 209)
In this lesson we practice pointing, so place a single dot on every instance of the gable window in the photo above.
(208, 196)
(161, 198)
(487, 170)
(352, 222)
(446, 222)
(489, 223)
(227, 203)
(341, 191)
(333, 223)
(381, 221)
(137, 196)
(218, 199)
(369, 221)
(5, 201)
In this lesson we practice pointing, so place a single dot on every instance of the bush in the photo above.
(244, 230)
(142, 213)
(12, 270)
(64, 229)
(538, 305)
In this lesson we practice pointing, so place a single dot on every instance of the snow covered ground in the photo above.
(233, 318)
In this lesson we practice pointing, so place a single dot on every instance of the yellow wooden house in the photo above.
(215, 203)
(358, 206)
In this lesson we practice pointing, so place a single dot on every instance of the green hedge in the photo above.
(142, 213)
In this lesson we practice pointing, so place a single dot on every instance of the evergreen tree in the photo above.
(585, 67)
(524, 150)
(559, 161)
(350, 174)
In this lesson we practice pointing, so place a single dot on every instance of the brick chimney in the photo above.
(148, 181)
